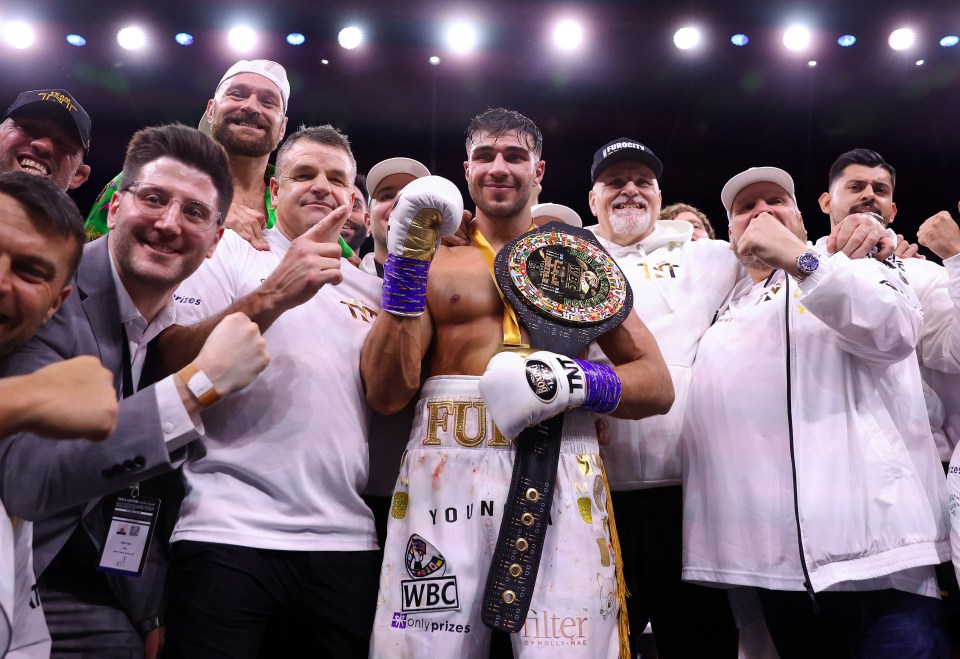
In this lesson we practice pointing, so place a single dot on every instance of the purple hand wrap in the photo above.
(603, 387)
(404, 286)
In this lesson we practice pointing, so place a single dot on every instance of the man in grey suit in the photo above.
(41, 238)
(165, 219)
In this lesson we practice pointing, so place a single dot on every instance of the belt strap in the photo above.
(516, 557)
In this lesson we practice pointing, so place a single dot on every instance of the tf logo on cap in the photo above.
(57, 103)
(624, 150)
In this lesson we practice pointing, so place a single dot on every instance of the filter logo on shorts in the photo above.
(429, 589)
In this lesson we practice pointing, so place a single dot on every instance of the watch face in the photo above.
(808, 262)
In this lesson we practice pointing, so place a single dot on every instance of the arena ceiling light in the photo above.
(847, 40)
(461, 37)
(242, 38)
(350, 37)
(950, 41)
(296, 39)
(687, 38)
(132, 37)
(901, 38)
(434, 60)
(18, 34)
(567, 35)
(76, 40)
(797, 38)
(739, 40)
(183, 38)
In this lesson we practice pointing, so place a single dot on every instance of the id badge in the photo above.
(128, 538)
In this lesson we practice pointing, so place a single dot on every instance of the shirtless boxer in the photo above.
(449, 498)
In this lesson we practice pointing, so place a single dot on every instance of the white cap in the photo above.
(270, 70)
(557, 211)
(392, 166)
(751, 176)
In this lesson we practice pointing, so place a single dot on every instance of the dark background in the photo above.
(707, 114)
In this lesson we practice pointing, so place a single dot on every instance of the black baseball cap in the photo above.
(55, 102)
(624, 149)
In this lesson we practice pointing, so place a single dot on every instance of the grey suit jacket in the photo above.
(58, 484)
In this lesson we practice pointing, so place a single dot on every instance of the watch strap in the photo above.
(803, 270)
(199, 385)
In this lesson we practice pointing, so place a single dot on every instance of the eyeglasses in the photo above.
(154, 200)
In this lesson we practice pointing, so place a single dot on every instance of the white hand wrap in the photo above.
(427, 209)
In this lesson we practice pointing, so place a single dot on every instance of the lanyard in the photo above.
(511, 324)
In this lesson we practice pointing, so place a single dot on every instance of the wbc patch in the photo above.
(429, 589)
(423, 559)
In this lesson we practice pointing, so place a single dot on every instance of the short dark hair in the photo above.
(325, 134)
(497, 121)
(184, 144)
(865, 157)
(49, 209)
(361, 182)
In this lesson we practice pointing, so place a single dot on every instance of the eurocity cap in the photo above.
(624, 149)
(269, 69)
(755, 175)
(56, 102)
(391, 166)
(557, 211)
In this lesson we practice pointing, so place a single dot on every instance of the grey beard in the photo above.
(631, 223)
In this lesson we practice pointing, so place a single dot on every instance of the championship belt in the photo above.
(568, 291)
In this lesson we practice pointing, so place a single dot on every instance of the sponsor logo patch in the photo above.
(401, 621)
(542, 380)
(423, 559)
(429, 589)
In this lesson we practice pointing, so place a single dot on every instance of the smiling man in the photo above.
(678, 285)
(46, 132)
(247, 116)
(445, 318)
(273, 517)
(41, 239)
(164, 222)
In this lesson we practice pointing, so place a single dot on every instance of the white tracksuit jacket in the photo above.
(868, 481)
(678, 286)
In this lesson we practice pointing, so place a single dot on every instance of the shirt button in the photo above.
(167, 427)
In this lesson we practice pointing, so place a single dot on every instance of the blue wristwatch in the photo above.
(807, 264)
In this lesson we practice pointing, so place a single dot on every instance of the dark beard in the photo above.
(359, 235)
(233, 145)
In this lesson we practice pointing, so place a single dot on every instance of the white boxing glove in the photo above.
(427, 209)
(521, 392)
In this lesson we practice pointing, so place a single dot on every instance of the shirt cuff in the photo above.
(823, 269)
(179, 428)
